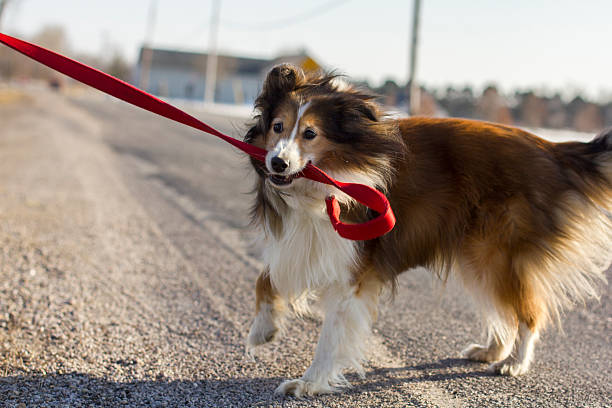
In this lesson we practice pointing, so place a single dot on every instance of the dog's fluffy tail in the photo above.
(589, 167)
(602, 144)
(582, 253)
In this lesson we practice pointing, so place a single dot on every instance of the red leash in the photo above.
(366, 195)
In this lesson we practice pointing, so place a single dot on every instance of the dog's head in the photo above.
(315, 117)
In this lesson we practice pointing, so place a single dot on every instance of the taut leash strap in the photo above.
(366, 195)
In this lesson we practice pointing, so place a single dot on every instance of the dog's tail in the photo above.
(588, 167)
(602, 147)
(581, 251)
(603, 144)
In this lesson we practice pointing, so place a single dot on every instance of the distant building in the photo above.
(493, 107)
(181, 74)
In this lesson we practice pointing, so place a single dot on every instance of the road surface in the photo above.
(127, 279)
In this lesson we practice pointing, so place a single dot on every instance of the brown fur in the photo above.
(495, 203)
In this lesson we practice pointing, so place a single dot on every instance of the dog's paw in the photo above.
(300, 388)
(509, 366)
(263, 330)
(259, 335)
(477, 352)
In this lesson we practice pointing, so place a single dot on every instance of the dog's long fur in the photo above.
(524, 223)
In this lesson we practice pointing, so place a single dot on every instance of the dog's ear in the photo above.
(355, 111)
(351, 117)
(281, 80)
(367, 109)
(252, 133)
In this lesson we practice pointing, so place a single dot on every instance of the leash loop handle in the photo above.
(366, 195)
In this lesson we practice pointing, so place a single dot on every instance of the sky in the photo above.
(547, 45)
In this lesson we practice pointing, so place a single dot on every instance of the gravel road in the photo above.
(127, 279)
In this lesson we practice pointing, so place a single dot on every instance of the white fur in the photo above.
(342, 343)
(265, 326)
(308, 255)
(518, 363)
(310, 259)
(341, 84)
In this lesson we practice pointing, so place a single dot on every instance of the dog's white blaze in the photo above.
(288, 149)
(300, 112)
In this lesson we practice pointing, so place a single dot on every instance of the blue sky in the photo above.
(550, 45)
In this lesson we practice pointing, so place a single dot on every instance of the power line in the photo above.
(270, 25)
(286, 21)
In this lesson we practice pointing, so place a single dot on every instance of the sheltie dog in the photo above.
(523, 223)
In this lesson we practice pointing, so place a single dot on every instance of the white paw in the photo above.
(510, 366)
(477, 352)
(263, 329)
(301, 387)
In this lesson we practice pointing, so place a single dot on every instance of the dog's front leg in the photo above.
(270, 311)
(349, 313)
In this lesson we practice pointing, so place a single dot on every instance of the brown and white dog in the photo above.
(524, 223)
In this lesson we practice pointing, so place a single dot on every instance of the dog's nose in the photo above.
(278, 164)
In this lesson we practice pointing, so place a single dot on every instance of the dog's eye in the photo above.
(278, 127)
(309, 134)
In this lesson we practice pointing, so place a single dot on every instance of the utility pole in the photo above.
(211, 60)
(412, 86)
(147, 51)
(3, 4)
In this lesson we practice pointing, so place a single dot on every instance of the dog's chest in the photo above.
(308, 255)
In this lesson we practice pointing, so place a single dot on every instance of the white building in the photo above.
(181, 74)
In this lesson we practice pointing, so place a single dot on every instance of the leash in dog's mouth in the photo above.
(285, 180)
(282, 180)
(366, 195)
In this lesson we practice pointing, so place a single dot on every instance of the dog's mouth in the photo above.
(280, 180)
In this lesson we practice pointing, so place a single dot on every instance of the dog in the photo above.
(523, 223)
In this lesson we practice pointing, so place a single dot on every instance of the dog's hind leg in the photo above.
(531, 312)
(270, 311)
(486, 272)
(349, 313)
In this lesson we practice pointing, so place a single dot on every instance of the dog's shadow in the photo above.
(87, 389)
(442, 370)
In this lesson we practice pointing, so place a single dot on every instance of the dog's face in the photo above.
(294, 138)
(316, 118)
